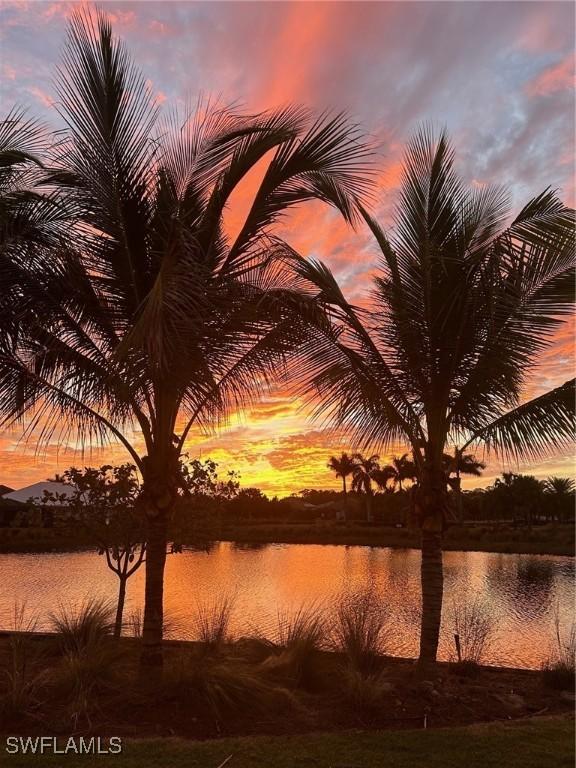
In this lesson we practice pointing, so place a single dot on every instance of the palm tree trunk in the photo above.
(345, 509)
(369, 516)
(154, 590)
(158, 497)
(432, 503)
(458, 494)
(432, 578)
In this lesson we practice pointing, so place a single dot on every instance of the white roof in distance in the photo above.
(36, 490)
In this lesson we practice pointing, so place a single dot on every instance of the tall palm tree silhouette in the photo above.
(401, 468)
(461, 464)
(362, 478)
(148, 318)
(462, 307)
(561, 486)
(559, 489)
(343, 466)
(382, 477)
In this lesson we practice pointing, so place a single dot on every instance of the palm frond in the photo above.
(525, 287)
(108, 149)
(329, 162)
(533, 429)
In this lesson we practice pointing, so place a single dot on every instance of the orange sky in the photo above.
(499, 75)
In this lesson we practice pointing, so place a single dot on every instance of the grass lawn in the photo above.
(536, 743)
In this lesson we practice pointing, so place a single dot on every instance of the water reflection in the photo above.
(523, 592)
(247, 546)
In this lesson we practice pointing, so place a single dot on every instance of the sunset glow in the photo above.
(499, 75)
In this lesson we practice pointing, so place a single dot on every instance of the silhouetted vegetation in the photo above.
(123, 304)
(460, 310)
(559, 671)
(322, 667)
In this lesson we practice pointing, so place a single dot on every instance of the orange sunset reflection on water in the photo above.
(522, 593)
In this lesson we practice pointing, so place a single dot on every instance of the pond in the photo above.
(523, 595)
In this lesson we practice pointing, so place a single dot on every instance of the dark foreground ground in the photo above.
(529, 743)
(62, 685)
(539, 540)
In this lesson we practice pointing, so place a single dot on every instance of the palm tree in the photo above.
(343, 467)
(362, 478)
(461, 464)
(148, 318)
(29, 218)
(461, 308)
(382, 477)
(401, 468)
(559, 490)
(560, 486)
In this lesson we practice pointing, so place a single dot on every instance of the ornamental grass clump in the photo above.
(362, 631)
(473, 630)
(559, 670)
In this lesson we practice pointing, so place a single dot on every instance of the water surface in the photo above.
(523, 593)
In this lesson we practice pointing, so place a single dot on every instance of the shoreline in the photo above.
(540, 540)
(312, 689)
(179, 643)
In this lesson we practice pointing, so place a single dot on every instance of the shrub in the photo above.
(361, 630)
(223, 688)
(82, 626)
(300, 635)
(20, 680)
(89, 659)
(559, 670)
(363, 693)
(84, 676)
(471, 621)
(304, 628)
(213, 621)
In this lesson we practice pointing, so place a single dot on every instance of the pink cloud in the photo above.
(64, 10)
(44, 98)
(8, 72)
(159, 97)
(559, 77)
(159, 27)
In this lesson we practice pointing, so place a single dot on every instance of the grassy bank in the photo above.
(539, 540)
(310, 675)
(534, 743)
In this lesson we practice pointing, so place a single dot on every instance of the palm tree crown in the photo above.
(400, 469)
(343, 466)
(460, 310)
(464, 464)
(145, 317)
(561, 486)
(363, 472)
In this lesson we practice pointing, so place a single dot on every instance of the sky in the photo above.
(498, 75)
